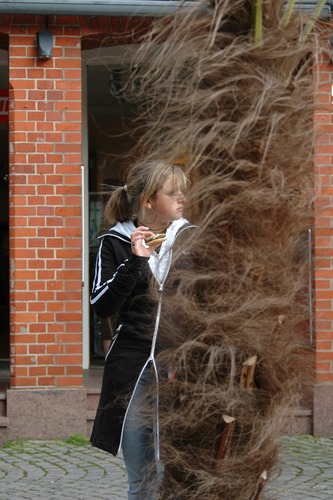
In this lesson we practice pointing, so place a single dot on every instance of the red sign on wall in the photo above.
(4, 106)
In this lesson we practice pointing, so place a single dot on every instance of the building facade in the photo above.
(63, 128)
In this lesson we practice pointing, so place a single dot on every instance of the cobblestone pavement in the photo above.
(63, 470)
(305, 471)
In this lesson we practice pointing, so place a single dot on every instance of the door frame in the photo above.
(85, 224)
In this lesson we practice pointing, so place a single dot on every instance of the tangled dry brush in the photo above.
(240, 115)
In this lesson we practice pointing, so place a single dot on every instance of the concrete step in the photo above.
(302, 412)
(92, 399)
(4, 421)
(3, 400)
(91, 415)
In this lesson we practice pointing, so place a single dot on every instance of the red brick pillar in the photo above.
(323, 253)
(45, 229)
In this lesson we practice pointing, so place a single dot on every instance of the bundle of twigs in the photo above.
(229, 89)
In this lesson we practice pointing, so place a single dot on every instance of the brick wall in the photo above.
(45, 205)
(45, 137)
(323, 230)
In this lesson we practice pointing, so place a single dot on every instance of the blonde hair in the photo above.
(144, 179)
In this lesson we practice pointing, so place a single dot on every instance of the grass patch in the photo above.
(21, 444)
(78, 440)
(15, 444)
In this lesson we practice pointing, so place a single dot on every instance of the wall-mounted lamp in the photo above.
(44, 44)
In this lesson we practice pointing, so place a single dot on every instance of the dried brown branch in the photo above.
(240, 117)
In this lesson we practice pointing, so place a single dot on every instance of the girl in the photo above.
(152, 201)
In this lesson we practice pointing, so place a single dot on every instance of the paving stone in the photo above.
(48, 470)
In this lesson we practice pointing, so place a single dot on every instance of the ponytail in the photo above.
(118, 207)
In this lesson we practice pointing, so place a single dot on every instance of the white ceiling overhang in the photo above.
(94, 7)
(122, 7)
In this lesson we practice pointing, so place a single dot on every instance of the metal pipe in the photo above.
(95, 7)
(83, 236)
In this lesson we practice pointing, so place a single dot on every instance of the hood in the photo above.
(124, 228)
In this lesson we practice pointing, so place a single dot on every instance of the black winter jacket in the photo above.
(120, 287)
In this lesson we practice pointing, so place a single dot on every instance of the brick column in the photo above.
(45, 236)
(45, 208)
(323, 253)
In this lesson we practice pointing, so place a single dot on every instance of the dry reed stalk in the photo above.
(248, 372)
(224, 435)
(240, 116)
(261, 484)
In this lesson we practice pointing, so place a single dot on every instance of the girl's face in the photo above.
(168, 203)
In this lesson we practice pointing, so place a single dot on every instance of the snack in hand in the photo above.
(155, 239)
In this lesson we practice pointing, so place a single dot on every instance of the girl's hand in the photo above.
(137, 241)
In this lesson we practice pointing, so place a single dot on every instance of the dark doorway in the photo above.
(110, 138)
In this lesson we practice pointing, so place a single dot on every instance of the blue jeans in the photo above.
(138, 448)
